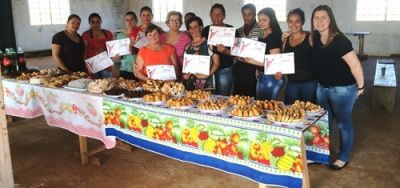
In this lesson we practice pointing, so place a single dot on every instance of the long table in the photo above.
(263, 151)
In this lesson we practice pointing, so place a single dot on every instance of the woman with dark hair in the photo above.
(224, 74)
(187, 17)
(302, 84)
(268, 86)
(95, 42)
(198, 46)
(155, 53)
(67, 47)
(127, 61)
(244, 74)
(174, 37)
(340, 77)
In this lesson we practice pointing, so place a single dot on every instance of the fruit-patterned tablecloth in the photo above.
(262, 151)
(80, 113)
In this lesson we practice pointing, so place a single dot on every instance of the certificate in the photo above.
(221, 35)
(161, 72)
(196, 64)
(244, 47)
(141, 40)
(385, 75)
(120, 47)
(283, 63)
(99, 62)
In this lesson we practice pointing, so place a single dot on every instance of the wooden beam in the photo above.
(6, 172)
(306, 178)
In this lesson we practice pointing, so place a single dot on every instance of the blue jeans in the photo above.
(339, 102)
(300, 91)
(224, 81)
(268, 87)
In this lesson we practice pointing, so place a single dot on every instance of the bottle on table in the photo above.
(1, 62)
(21, 62)
(8, 62)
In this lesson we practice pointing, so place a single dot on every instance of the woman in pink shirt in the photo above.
(95, 41)
(174, 37)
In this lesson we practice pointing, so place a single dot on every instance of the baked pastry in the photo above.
(27, 76)
(173, 88)
(198, 94)
(240, 100)
(128, 84)
(99, 86)
(179, 102)
(269, 105)
(246, 111)
(213, 105)
(153, 85)
(37, 79)
(156, 97)
(115, 91)
(307, 106)
(135, 94)
(287, 115)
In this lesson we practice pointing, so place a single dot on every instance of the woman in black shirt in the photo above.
(339, 75)
(302, 84)
(67, 47)
(268, 86)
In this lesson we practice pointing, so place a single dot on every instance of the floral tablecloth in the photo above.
(262, 151)
(257, 149)
(80, 113)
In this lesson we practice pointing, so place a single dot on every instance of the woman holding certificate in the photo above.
(268, 86)
(199, 46)
(174, 37)
(67, 47)
(95, 42)
(340, 77)
(137, 34)
(301, 85)
(127, 61)
(155, 54)
(224, 75)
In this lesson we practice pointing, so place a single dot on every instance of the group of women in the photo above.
(327, 70)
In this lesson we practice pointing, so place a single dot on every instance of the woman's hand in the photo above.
(201, 76)
(360, 92)
(221, 48)
(186, 76)
(257, 74)
(116, 58)
(278, 75)
(285, 35)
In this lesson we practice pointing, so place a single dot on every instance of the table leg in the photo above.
(361, 54)
(83, 150)
(306, 178)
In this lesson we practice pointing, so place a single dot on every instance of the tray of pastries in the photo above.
(61, 80)
(246, 112)
(100, 85)
(26, 76)
(79, 84)
(128, 84)
(180, 102)
(213, 106)
(309, 107)
(269, 104)
(153, 85)
(240, 100)
(114, 92)
(156, 98)
(173, 88)
(198, 94)
(290, 115)
(135, 94)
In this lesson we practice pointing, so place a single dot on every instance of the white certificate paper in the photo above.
(244, 47)
(141, 40)
(120, 47)
(283, 63)
(221, 35)
(161, 72)
(385, 75)
(99, 62)
(196, 64)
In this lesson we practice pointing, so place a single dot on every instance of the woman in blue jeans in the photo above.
(302, 84)
(339, 75)
(268, 86)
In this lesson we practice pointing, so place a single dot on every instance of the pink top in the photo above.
(183, 41)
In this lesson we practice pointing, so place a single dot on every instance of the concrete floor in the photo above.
(42, 156)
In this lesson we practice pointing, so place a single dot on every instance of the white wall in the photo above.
(384, 40)
(32, 38)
